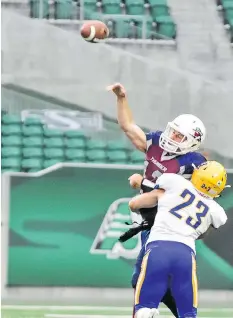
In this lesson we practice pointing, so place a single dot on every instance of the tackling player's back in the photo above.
(183, 213)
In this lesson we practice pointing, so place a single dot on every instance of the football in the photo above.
(95, 30)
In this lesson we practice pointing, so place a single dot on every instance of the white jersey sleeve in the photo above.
(218, 216)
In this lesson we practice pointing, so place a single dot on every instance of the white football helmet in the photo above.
(193, 130)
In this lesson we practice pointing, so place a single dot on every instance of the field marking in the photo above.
(81, 316)
(100, 316)
(100, 308)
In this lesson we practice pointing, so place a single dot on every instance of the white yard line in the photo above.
(100, 308)
(99, 316)
(81, 316)
(69, 308)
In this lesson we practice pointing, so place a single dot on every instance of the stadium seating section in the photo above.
(30, 146)
(226, 9)
(126, 20)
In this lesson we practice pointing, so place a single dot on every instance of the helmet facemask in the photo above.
(188, 143)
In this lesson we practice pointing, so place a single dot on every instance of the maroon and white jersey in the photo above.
(158, 161)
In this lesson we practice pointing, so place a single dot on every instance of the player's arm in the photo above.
(137, 181)
(218, 216)
(145, 200)
(125, 118)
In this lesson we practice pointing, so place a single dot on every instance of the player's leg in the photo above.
(137, 266)
(169, 301)
(153, 279)
(184, 282)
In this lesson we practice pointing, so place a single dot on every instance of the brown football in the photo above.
(94, 30)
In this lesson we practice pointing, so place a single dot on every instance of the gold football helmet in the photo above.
(210, 178)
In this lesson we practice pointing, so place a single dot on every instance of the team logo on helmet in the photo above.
(197, 134)
(113, 226)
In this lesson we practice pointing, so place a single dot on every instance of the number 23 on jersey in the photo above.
(189, 198)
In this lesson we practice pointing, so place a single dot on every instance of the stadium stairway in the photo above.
(202, 41)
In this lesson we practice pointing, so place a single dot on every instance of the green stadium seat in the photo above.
(75, 143)
(32, 163)
(158, 2)
(90, 6)
(54, 153)
(122, 27)
(165, 27)
(137, 157)
(140, 24)
(117, 156)
(117, 145)
(95, 144)
(37, 11)
(35, 141)
(11, 151)
(53, 132)
(158, 8)
(54, 142)
(63, 9)
(225, 2)
(74, 134)
(12, 140)
(13, 129)
(134, 7)
(11, 169)
(32, 130)
(226, 8)
(33, 121)
(111, 6)
(51, 162)
(228, 11)
(96, 156)
(75, 155)
(13, 163)
(33, 152)
(11, 119)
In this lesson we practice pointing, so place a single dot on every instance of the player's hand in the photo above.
(135, 181)
(117, 89)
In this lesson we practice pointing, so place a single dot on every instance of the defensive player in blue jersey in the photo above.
(186, 211)
(170, 151)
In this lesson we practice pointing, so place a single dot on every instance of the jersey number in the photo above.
(202, 209)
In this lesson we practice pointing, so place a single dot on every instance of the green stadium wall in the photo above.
(64, 225)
